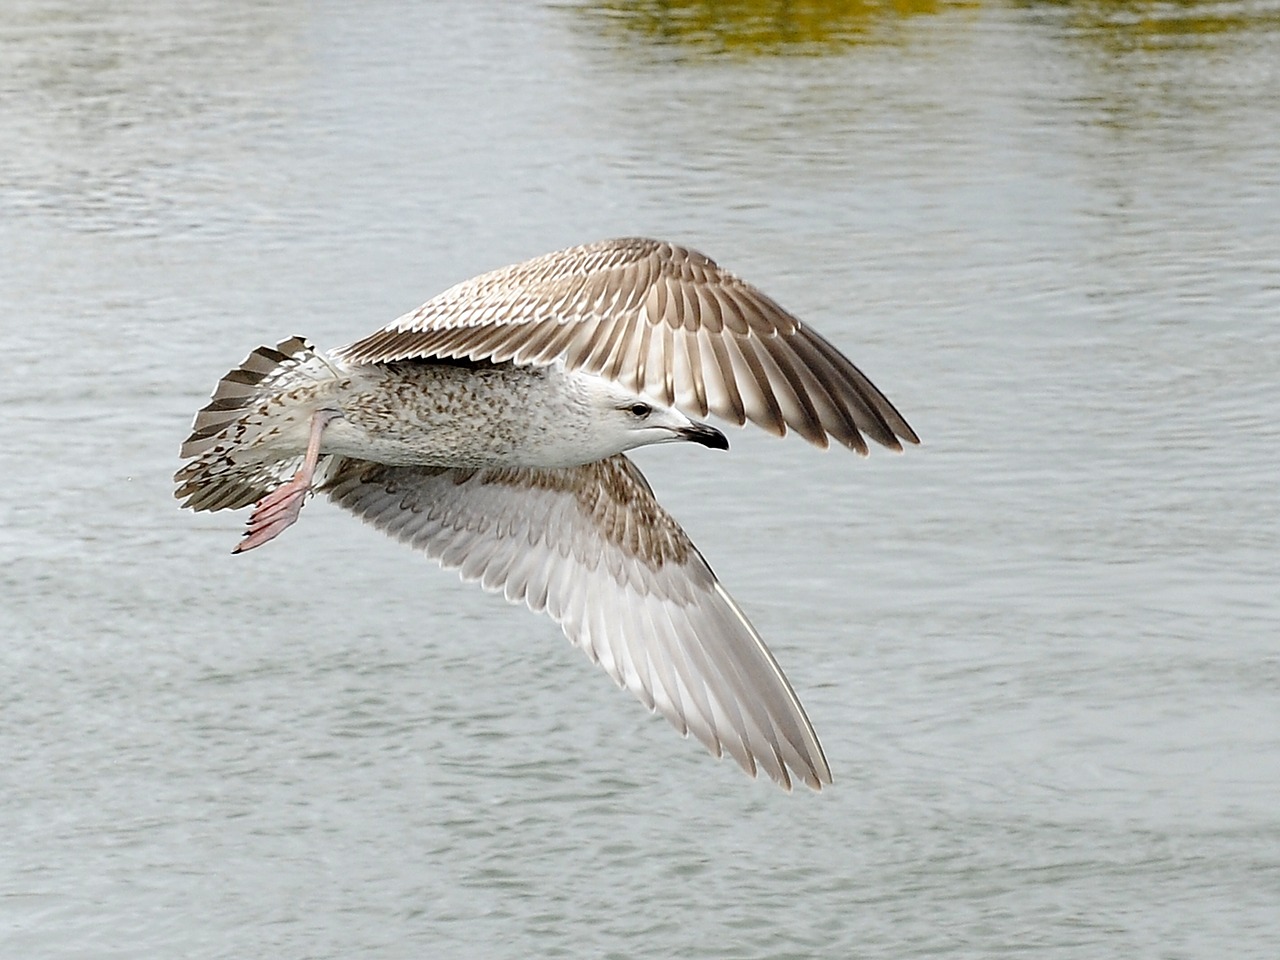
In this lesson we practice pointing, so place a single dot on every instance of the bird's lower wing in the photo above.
(592, 547)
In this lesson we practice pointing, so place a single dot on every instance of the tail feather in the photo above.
(231, 469)
(245, 385)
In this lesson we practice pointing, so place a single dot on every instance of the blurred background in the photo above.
(1041, 649)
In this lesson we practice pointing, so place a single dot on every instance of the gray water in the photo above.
(1042, 650)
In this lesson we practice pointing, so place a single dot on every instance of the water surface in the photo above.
(1040, 650)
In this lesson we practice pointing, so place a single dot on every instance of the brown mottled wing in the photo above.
(662, 320)
(591, 546)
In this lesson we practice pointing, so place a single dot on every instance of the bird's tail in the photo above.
(243, 441)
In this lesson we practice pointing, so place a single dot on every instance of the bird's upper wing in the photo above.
(662, 320)
(592, 547)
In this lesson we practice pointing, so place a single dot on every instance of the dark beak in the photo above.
(705, 435)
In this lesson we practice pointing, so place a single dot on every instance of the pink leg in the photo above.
(278, 510)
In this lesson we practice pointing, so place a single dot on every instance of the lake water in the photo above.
(1042, 650)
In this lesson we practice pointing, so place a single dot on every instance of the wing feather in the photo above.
(591, 546)
(759, 401)
(661, 319)
(720, 378)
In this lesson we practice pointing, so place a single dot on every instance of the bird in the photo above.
(488, 429)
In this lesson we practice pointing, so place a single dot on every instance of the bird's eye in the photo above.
(640, 410)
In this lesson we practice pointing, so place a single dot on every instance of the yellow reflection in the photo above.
(765, 26)
(1160, 22)
(753, 27)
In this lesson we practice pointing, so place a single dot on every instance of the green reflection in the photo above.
(754, 27)
(764, 27)
(1159, 23)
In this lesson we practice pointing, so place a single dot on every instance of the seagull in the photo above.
(488, 429)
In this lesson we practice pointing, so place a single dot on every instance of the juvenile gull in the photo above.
(487, 429)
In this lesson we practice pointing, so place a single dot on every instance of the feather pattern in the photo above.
(591, 546)
(456, 429)
(662, 320)
(225, 472)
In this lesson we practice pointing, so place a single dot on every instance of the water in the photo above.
(1041, 650)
